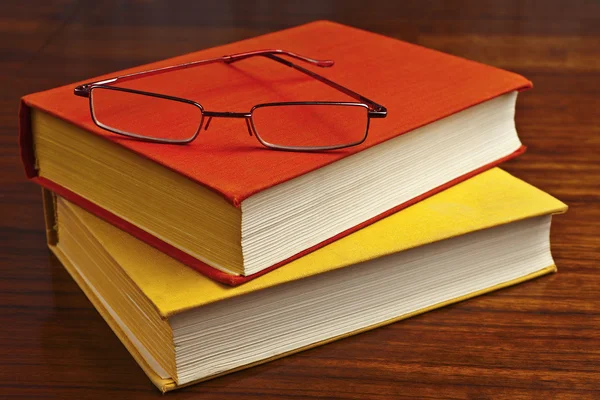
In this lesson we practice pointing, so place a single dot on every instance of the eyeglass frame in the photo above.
(374, 110)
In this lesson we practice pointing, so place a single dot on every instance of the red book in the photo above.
(233, 209)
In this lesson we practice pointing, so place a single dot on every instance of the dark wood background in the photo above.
(539, 340)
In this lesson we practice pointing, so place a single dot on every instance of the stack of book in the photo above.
(218, 254)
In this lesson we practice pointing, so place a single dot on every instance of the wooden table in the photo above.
(539, 340)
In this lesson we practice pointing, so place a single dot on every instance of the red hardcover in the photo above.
(417, 85)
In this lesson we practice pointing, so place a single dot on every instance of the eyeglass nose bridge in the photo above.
(228, 114)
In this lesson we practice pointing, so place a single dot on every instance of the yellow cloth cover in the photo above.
(489, 199)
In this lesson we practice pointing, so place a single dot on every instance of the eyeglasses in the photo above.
(294, 126)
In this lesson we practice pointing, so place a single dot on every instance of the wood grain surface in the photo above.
(538, 340)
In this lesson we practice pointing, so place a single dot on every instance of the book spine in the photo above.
(50, 216)
(26, 140)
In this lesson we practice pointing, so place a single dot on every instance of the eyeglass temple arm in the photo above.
(241, 56)
(378, 111)
(83, 90)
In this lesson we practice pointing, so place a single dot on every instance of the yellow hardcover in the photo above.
(489, 199)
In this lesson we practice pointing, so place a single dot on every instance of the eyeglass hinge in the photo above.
(82, 90)
(378, 112)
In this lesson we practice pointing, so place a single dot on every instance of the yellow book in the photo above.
(486, 233)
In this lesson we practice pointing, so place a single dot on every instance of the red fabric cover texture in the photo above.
(220, 276)
(417, 85)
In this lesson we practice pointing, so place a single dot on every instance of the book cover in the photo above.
(428, 85)
(490, 199)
